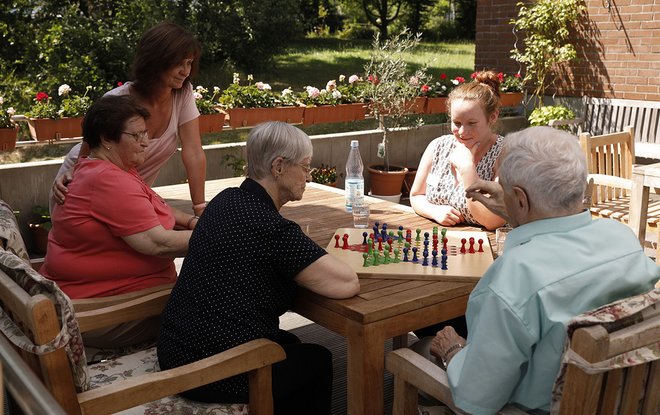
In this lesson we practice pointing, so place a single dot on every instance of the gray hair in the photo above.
(548, 163)
(271, 140)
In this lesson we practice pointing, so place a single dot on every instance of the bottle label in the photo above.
(354, 193)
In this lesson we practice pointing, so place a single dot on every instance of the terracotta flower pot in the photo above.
(386, 183)
(8, 139)
(248, 117)
(437, 105)
(46, 129)
(408, 181)
(211, 123)
(333, 113)
(511, 99)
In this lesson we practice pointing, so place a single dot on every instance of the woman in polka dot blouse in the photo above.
(453, 162)
(244, 265)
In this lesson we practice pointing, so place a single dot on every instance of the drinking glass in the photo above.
(500, 237)
(361, 215)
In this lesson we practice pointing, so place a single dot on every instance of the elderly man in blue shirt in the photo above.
(557, 263)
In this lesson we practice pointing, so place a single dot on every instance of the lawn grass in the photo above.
(315, 61)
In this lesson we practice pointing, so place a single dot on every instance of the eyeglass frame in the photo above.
(138, 136)
(307, 168)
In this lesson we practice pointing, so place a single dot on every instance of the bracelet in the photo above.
(449, 351)
(190, 221)
(200, 205)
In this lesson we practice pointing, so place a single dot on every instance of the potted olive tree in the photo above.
(390, 94)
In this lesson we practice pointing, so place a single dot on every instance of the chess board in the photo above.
(461, 267)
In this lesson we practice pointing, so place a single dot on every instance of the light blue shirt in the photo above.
(551, 270)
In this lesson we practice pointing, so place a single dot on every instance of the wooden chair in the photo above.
(610, 159)
(39, 317)
(614, 385)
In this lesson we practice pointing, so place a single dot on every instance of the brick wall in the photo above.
(618, 43)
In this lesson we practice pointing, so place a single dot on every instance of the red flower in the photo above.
(460, 79)
(120, 83)
(425, 88)
(474, 75)
(373, 79)
(517, 75)
(443, 76)
(500, 76)
(41, 96)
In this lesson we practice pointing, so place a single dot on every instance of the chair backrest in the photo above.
(614, 366)
(35, 317)
(610, 159)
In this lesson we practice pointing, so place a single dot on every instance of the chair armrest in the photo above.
(36, 263)
(425, 375)
(415, 370)
(86, 304)
(251, 356)
(611, 181)
(136, 309)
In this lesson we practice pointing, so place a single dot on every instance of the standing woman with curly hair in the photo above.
(453, 162)
(167, 57)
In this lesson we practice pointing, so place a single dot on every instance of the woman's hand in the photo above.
(446, 215)
(462, 158)
(60, 186)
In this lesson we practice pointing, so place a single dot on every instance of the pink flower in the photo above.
(353, 78)
(331, 85)
(120, 83)
(474, 75)
(313, 92)
(460, 79)
(414, 81)
(425, 88)
(500, 76)
(373, 79)
(517, 75)
(41, 96)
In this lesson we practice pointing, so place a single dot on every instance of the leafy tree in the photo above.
(381, 13)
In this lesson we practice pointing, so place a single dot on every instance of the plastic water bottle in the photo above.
(354, 183)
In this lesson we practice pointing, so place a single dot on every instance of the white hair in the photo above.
(548, 164)
(271, 140)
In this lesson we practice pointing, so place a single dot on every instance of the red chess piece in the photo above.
(471, 246)
(444, 243)
(336, 241)
(345, 239)
(481, 245)
(463, 241)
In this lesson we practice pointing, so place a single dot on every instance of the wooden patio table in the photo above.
(384, 309)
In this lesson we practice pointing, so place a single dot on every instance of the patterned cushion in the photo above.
(613, 316)
(69, 337)
(10, 234)
(146, 361)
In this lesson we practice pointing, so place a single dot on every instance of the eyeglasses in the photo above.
(307, 168)
(140, 135)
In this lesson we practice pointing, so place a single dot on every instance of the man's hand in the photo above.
(446, 344)
(490, 194)
(60, 187)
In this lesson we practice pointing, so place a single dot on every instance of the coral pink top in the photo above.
(87, 256)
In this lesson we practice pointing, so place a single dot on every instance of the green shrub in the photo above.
(543, 115)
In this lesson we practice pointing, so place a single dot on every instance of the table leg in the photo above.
(639, 204)
(366, 368)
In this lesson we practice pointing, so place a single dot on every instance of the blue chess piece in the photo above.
(414, 258)
(364, 236)
(405, 254)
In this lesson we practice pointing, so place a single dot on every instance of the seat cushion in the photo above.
(145, 361)
(10, 234)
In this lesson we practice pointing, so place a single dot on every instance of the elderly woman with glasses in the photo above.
(242, 273)
(114, 235)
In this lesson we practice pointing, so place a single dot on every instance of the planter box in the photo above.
(437, 105)
(249, 117)
(47, 129)
(211, 123)
(419, 106)
(8, 139)
(334, 113)
(511, 99)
